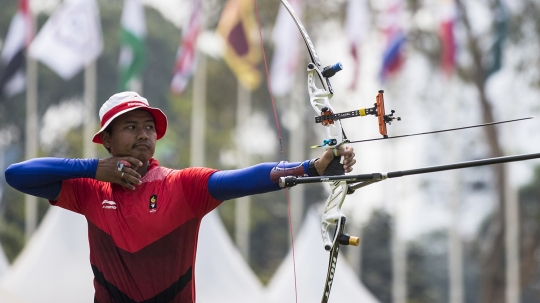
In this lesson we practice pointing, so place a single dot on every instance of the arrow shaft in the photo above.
(444, 130)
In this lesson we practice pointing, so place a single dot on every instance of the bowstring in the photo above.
(280, 145)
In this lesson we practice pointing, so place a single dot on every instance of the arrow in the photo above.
(443, 130)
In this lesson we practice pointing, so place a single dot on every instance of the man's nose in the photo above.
(142, 135)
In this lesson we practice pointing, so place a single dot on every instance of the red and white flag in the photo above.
(357, 24)
(448, 12)
(287, 44)
(12, 58)
(186, 57)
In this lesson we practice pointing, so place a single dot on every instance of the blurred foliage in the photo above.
(427, 263)
(377, 255)
(269, 231)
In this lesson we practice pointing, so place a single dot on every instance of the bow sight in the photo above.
(328, 117)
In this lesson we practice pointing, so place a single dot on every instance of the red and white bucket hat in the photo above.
(124, 102)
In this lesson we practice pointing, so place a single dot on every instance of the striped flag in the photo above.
(446, 35)
(132, 49)
(238, 28)
(12, 58)
(186, 57)
(287, 44)
(393, 56)
(357, 25)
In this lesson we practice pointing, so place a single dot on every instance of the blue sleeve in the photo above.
(258, 179)
(42, 177)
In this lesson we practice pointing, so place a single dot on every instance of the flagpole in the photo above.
(31, 139)
(399, 245)
(90, 88)
(243, 205)
(198, 113)
(297, 146)
(455, 249)
(512, 243)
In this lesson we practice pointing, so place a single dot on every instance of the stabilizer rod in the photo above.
(292, 181)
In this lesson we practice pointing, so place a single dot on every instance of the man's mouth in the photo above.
(143, 145)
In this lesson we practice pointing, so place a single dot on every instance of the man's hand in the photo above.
(348, 159)
(108, 171)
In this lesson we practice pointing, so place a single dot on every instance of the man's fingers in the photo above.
(346, 151)
(126, 184)
(131, 172)
(128, 162)
(132, 176)
(135, 163)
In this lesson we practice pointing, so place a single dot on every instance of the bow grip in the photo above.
(335, 168)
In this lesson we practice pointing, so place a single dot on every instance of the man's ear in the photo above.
(106, 139)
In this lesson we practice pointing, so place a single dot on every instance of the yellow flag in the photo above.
(238, 28)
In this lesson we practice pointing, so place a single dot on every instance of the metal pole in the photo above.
(297, 140)
(455, 255)
(90, 89)
(243, 205)
(31, 139)
(512, 245)
(198, 113)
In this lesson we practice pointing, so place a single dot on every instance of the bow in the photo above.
(335, 137)
(341, 184)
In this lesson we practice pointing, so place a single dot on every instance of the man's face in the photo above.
(132, 134)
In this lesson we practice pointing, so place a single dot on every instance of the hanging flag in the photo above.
(186, 57)
(70, 39)
(238, 28)
(393, 57)
(132, 49)
(287, 45)
(500, 37)
(446, 34)
(357, 24)
(12, 58)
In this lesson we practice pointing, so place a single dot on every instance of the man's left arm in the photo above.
(262, 178)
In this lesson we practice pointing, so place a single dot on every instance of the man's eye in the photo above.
(150, 127)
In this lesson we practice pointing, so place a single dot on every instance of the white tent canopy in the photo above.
(54, 266)
(4, 263)
(311, 269)
(8, 297)
(221, 274)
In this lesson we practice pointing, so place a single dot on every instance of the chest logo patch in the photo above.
(153, 203)
(106, 204)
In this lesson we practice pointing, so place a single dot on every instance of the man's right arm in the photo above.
(42, 177)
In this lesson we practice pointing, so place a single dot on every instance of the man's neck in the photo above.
(144, 168)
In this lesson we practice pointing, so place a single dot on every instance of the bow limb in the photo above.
(320, 101)
(332, 212)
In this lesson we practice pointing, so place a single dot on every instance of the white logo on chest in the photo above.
(106, 204)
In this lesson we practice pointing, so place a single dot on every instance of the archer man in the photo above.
(143, 218)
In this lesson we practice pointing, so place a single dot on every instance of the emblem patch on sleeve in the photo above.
(153, 203)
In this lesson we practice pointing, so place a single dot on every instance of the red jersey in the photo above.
(143, 242)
